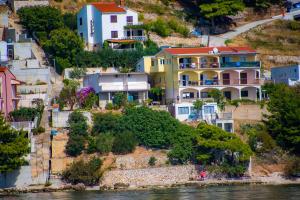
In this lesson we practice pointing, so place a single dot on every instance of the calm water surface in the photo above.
(203, 193)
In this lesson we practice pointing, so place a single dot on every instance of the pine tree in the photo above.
(13, 147)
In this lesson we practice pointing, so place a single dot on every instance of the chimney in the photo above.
(122, 3)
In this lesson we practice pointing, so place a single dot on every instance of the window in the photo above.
(183, 110)
(81, 35)
(113, 19)
(228, 127)
(116, 76)
(152, 63)
(114, 34)
(243, 59)
(92, 27)
(129, 19)
(209, 110)
(80, 21)
(204, 94)
(244, 93)
(257, 74)
(162, 61)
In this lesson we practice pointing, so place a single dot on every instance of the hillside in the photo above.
(278, 43)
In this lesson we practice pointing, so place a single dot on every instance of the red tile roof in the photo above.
(108, 7)
(206, 50)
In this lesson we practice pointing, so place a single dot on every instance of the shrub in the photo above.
(152, 161)
(105, 122)
(120, 99)
(109, 106)
(76, 117)
(83, 172)
(124, 143)
(178, 27)
(24, 114)
(104, 143)
(75, 145)
(292, 168)
(38, 130)
(79, 128)
(160, 27)
(152, 128)
(294, 25)
(92, 146)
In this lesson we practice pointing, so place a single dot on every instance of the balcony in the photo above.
(253, 64)
(220, 82)
(208, 65)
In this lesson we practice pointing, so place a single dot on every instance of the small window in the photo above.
(80, 21)
(162, 61)
(152, 63)
(243, 59)
(257, 74)
(114, 34)
(129, 75)
(183, 110)
(244, 93)
(116, 76)
(113, 19)
(209, 110)
(81, 35)
(129, 19)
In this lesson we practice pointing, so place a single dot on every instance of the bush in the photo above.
(124, 143)
(152, 161)
(83, 172)
(76, 117)
(294, 25)
(24, 114)
(292, 168)
(78, 124)
(109, 106)
(75, 145)
(119, 99)
(104, 143)
(38, 130)
(152, 128)
(178, 27)
(160, 27)
(105, 122)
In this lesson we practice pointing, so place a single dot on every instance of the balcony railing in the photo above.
(220, 82)
(253, 64)
(198, 65)
(133, 37)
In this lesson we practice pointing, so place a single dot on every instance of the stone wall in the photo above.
(16, 5)
(162, 176)
(60, 119)
(246, 112)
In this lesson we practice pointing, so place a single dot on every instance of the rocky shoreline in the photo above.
(118, 187)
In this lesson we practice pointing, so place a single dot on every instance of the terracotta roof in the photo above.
(206, 50)
(108, 7)
(4, 69)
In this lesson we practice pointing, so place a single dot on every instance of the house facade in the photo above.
(8, 91)
(106, 85)
(106, 21)
(187, 74)
(289, 75)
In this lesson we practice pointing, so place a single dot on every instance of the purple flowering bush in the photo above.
(87, 97)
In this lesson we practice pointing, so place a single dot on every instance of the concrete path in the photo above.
(220, 39)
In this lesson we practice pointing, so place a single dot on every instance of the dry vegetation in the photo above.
(280, 39)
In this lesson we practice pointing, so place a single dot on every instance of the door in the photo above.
(243, 78)
(226, 79)
(185, 80)
(227, 95)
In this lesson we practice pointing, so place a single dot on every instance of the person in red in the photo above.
(202, 175)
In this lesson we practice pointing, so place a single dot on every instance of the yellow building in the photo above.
(187, 74)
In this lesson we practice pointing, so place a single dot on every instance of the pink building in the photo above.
(8, 91)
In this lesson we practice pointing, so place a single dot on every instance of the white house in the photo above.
(106, 85)
(210, 113)
(106, 21)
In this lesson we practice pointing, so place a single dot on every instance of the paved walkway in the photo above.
(220, 40)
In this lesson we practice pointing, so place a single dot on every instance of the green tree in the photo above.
(218, 146)
(104, 143)
(120, 99)
(67, 95)
(283, 120)
(13, 147)
(64, 43)
(198, 104)
(40, 18)
(124, 143)
(75, 145)
(70, 21)
(212, 9)
(152, 128)
(106, 122)
(83, 172)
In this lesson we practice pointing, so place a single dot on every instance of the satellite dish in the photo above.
(215, 50)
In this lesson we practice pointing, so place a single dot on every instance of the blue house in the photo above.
(289, 75)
